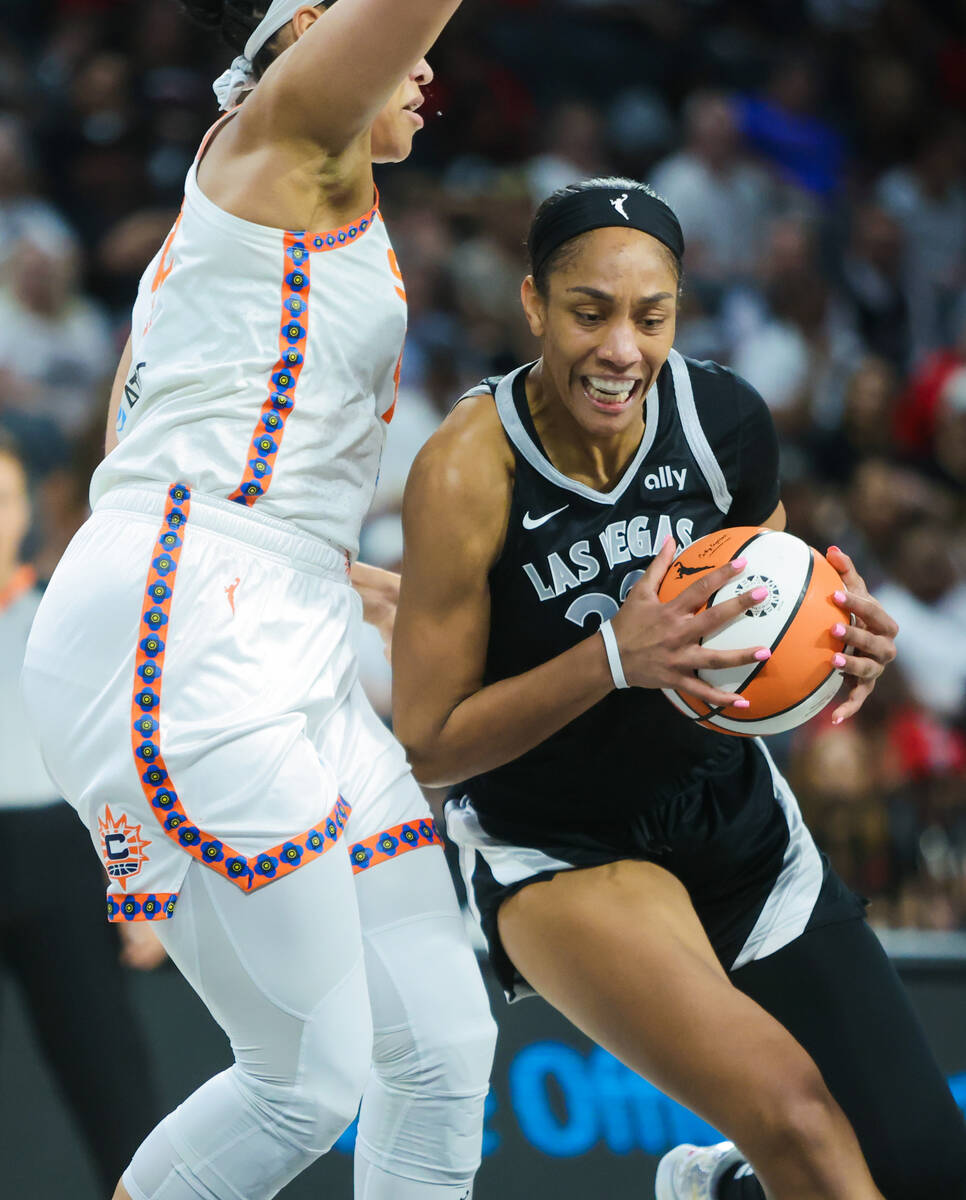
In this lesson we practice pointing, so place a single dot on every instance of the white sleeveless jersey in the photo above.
(264, 368)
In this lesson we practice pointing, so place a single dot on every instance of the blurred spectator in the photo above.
(785, 125)
(720, 198)
(883, 500)
(573, 148)
(927, 196)
(835, 779)
(926, 594)
(873, 285)
(55, 346)
(802, 352)
(20, 205)
(52, 897)
(919, 405)
(865, 431)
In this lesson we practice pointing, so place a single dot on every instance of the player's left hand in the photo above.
(871, 637)
(140, 946)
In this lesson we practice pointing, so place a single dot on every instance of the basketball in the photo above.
(794, 621)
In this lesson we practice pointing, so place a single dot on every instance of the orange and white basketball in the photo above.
(795, 622)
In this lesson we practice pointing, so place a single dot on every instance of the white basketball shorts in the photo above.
(191, 676)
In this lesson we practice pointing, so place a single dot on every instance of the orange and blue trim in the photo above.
(391, 843)
(292, 341)
(142, 906)
(247, 872)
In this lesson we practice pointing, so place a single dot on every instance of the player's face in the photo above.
(606, 326)
(14, 511)
(393, 130)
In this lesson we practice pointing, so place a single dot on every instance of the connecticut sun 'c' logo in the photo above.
(122, 847)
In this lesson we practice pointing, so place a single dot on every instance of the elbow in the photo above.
(428, 766)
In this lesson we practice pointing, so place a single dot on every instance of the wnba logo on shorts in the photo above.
(122, 846)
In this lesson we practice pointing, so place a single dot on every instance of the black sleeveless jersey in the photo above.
(708, 460)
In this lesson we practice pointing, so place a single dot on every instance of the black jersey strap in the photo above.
(517, 433)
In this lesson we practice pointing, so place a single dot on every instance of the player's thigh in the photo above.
(619, 950)
(265, 962)
(835, 990)
(424, 980)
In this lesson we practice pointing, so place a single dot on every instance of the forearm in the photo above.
(506, 719)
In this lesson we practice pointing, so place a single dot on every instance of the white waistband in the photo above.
(225, 517)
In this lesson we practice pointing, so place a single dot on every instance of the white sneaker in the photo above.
(689, 1172)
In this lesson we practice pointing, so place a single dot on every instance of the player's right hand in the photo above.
(660, 642)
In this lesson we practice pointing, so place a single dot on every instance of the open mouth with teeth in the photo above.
(609, 394)
(411, 108)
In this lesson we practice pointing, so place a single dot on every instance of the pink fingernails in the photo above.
(838, 630)
(738, 564)
(837, 720)
(741, 703)
(759, 594)
(838, 660)
(763, 654)
(835, 548)
(839, 597)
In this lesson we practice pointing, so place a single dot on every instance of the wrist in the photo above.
(613, 655)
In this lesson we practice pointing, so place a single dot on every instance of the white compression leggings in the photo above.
(281, 972)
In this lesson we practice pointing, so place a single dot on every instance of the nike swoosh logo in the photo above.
(535, 522)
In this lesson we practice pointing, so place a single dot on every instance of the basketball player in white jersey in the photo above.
(191, 671)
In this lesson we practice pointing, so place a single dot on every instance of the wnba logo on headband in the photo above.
(598, 204)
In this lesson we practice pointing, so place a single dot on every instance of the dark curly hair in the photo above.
(236, 21)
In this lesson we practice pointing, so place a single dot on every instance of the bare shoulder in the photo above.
(463, 477)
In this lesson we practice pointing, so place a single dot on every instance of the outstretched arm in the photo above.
(330, 85)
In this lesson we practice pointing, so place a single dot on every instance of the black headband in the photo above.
(599, 208)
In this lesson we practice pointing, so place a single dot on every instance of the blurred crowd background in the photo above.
(815, 151)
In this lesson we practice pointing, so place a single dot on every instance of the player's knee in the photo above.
(795, 1120)
(453, 1058)
(311, 1110)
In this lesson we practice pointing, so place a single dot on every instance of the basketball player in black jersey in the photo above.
(651, 879)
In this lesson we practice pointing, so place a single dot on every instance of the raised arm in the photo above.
(348, 60)
(452, 725)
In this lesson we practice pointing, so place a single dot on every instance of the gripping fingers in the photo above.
(658, 567)
(697, 594)
(713, 619)
(858, 665)
(870, 612)
(723, 660)
(710, 695)
(865, 642)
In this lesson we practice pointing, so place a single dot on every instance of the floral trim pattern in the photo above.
(142, 906)
(411, 835)
(292, 341)
(332, 239)
(248, 873)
